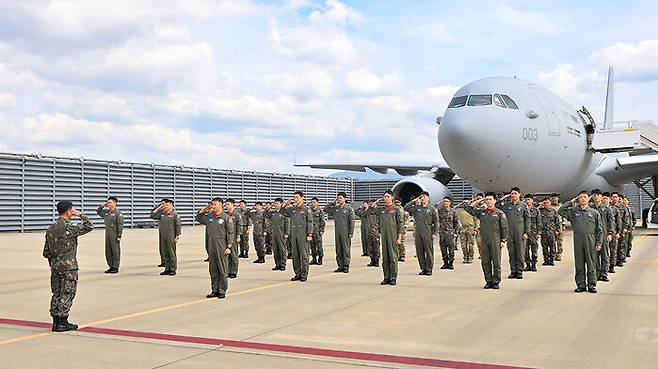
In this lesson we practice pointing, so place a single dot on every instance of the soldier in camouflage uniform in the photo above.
(113, 219)
(449, 228)
(625, 219)
(587, 240)
(257, 218)
(390, 233)
(426, 230)
(317, 252)
(361, 213)
(468, 236)
(556, 204)
(61, 248)
(169, 227)
(619, 225)
(373, 233)
(301, 234)
(234, 258)
(405, 227)
(220, 235)
(518, 222)
(268, 230)
(607, 224)
(631, 224)
(242, 213)
(532, 243)
(280, 230)
(550, 225)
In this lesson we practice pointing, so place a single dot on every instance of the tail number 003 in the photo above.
(530, 134)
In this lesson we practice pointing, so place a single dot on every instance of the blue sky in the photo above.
(249, 85)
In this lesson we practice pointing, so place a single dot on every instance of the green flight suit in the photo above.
(280, 227)
(169, 226)
(426, 226)
(390, 228)
(113, 230)
(220, 234)
(493, 231)
(518, 221)
(301, 227)
(587, 234)
(343, 232)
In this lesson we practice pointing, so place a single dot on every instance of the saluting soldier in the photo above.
(301, 234)
(556, 204)
(169, 226)
(493, 234)
(602, 256)
(243, 219)
(402, 251)
(61, 248)
(449, 228)
(318, 230)
(268, 230)
(611, 241)
(238, 220)
(343, 230)
(426, 230)
(220, 234)
(629, 226)
(361, 213)
(615, 244)
(280, 224)
(534, 228)
(551, 223)
(390, 232)
(373, 233)
(518, 220)
(113, 219)
(257, 218)
(587, 240)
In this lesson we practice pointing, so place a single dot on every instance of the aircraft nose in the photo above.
(467, 149)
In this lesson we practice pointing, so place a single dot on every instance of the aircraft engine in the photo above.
(409, 188)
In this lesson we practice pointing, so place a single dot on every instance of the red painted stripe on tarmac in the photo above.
(311, 351)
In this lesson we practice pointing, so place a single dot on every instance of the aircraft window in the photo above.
(458, 102)
(510, 103)
(478, 100)
(499, 101)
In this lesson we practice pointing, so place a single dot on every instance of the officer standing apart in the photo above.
(607, 225)
(113, 219)
(390, 232)
(343, 215)
(61, 248)
(518, 220)
(280, 226)
(220, 231)
(587, 239)
(169, 226)
(301, 234)
(532, 243)
(449, 228)
(493, 234)
(426, 230)
(318, 230)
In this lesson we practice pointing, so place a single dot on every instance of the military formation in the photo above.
(602, 225)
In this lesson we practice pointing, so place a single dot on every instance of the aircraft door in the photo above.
(549, 110)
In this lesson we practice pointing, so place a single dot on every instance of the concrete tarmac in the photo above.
(139, 319)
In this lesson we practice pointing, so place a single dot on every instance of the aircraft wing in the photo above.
(442, 172)
(630, 168)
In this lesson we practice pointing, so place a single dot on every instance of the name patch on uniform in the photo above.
(221, 221)
(210, 219)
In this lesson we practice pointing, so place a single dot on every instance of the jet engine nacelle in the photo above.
(409, 188)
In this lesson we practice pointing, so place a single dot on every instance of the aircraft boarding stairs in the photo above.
(633, 137)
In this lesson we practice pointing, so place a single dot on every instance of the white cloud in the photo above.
(635, 61)
(314, 44)
(335, 13)
(7, 100)
(365, 82)
(527, 20)
(310, 82)
(568, 84)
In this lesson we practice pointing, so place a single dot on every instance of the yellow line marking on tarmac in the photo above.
(172, 307)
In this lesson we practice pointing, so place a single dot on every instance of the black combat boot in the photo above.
(65, 325)
(611, 269)
(55, 323)
(533, 266)
(313, 261)
(319, 260)
(451, 264)
(445, 265)
(527, 267)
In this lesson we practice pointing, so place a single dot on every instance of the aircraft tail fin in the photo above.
(609, 99)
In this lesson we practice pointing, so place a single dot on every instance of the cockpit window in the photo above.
(478, 100)
(510, 103)
(499, 101)
(458, 102)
